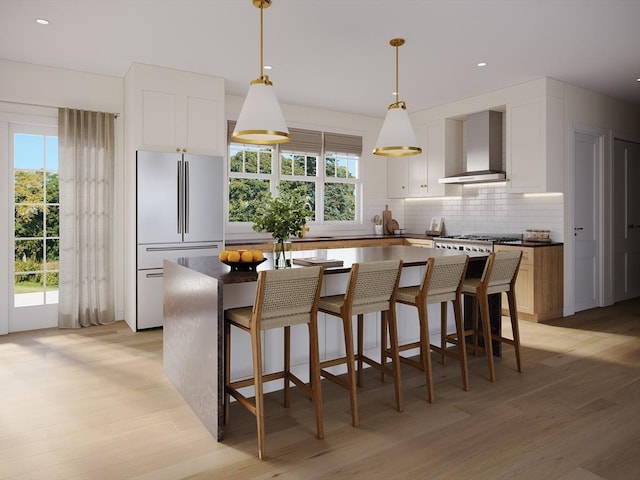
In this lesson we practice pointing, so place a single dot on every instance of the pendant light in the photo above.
(261, 120)
(397, 138)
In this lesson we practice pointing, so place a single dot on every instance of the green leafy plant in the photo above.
(284, 216)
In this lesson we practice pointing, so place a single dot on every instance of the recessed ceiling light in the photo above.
(42, 21)
(268, 67)
(481, 64)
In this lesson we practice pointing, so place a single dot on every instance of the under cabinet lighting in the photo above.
(418, 199)
(487, 184)
(545, 194)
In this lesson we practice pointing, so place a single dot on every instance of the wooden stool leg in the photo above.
(351, 374)
(314, 377)
(360, 347)
(383, 347)
(474, 322)
(287, 365)
(259, 398)
(462, 344)
(443, 332)
(425, 349)
(483, 299)
(227, 371)
(393, 336)
(513, 313)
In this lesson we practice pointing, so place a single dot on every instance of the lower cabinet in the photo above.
(418, 242)
(539, 285)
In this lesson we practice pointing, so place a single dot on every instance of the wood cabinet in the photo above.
(417, 176)
(419, 242)
(175, 110)
(534, 146)
(539, 285)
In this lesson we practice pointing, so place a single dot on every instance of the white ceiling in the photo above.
(335, 54)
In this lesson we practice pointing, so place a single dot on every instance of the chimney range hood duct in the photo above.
(484, 150)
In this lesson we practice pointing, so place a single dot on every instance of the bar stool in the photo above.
(441, 283)
(499, 275)
(283, 298)
(372, 288)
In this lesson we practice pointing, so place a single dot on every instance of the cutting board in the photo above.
(386, 220)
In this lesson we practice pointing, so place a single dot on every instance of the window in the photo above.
(324, 166)
(36, 219)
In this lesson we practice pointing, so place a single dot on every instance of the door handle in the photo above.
(578, 228)
(186, 197)
(179, 198)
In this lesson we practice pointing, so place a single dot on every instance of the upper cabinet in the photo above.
(534, 146)
(417, 176)
(175, 111)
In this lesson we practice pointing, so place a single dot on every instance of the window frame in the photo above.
(320, 179)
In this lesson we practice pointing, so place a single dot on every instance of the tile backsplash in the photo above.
(485, 209)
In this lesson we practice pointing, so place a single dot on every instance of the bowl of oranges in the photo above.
(242, 260)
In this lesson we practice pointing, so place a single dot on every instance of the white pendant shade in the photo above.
(261, 120)
(397, 137)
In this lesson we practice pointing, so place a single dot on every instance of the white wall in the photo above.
(31, 88)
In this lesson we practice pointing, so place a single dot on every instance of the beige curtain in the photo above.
(86, 174)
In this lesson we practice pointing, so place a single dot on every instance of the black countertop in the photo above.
(327, 238)
(524, 243)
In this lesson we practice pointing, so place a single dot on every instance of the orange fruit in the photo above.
(257, 255)
(246, 256)
(233, 257)
(223, 255)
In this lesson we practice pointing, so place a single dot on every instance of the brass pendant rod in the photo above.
(397, 75)
(261, 41)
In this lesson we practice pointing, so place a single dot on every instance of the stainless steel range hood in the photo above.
(484, 150)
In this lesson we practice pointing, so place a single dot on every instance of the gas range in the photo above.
(481, 242)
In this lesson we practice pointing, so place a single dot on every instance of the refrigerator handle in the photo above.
(186, 197)
(179, 202)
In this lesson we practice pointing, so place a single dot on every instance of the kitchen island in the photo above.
(197, 290)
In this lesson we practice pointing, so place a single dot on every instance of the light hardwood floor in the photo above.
(94, 404)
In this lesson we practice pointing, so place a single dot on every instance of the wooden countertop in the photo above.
(411, 256)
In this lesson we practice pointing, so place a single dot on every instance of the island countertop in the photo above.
(411, 256)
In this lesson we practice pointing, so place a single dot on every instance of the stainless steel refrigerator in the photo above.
(180, 213)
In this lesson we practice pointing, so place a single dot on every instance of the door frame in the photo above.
(25, 115)
(569, 258)
(625, 137)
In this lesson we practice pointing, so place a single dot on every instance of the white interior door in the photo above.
(587, 214)
(626, 220)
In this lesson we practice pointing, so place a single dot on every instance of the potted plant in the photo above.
(284, 216)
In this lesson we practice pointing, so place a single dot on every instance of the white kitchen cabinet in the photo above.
(444, 156)
(417, 176)
(397, 177)
(165, 111)
(176, 111)
(534, 145)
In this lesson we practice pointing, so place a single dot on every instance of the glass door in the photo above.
(33, 296)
